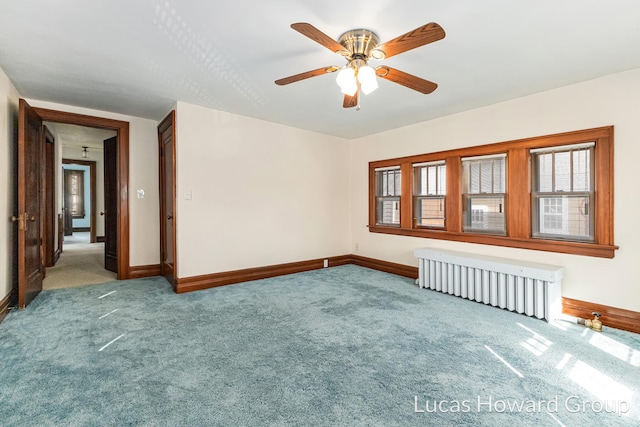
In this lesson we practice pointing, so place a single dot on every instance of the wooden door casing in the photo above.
(167, 166)
(122, 128)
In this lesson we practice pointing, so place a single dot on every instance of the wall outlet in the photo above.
(326, 263)
(357, 247)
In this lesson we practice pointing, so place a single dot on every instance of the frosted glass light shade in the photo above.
(367, 79)
(347, 81)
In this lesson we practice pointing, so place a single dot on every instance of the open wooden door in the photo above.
(111, 204)
(48, 194)
(30, 176)
(166, 141)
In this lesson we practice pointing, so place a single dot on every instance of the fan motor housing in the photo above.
(359, 42)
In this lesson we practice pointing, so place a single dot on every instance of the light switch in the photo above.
(187, 195)
(140, 194)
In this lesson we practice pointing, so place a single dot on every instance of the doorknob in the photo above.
(169, 217)
(20, 220)
(102, 213)
(32, 218)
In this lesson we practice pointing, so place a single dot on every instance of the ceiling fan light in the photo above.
(367, 79)
(347, 81)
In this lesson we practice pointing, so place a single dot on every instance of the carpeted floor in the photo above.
(81, 263)
(343, 346)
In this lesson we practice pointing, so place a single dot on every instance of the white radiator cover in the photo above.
(524, 287)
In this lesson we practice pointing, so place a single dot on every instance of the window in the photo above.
(483, 190)
(548, 193)
(388, 190)
(562, 196)
(429, 189)
(74, 192)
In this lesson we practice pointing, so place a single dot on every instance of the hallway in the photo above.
(81, 263)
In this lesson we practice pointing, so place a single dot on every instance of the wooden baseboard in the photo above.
(5, 303)
(611, 316)
(614, 317)
(100, 239)
(81, 229)
(386, 266)
(196, 283)
(140, 271)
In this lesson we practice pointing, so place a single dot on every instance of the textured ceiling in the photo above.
(140, 57)
(79, 136)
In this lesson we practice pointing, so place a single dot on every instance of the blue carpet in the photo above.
(344, 346)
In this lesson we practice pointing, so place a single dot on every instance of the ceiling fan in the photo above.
(358, 47)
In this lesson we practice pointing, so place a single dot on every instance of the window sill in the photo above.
(573, 248)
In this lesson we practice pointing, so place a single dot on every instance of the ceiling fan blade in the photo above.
(306, 75)
(405, 79)
(426, 34)
(319, 37)
(350, 101)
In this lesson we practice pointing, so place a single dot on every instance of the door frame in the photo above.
(93, 211)
(122, 130)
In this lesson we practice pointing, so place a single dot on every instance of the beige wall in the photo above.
(262, 193)
(144, 238)
(612, 100)
(8, 134)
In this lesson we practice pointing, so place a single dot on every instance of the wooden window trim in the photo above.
(517, 199)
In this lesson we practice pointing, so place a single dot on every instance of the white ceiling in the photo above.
(79, 136)
(140, 57)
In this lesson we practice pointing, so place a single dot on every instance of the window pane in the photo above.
(474, 178)
(498, 176)
(484, 214)
(388, 182)
(388, 211)
(581, 170)
(429, 180)
(486, 176)
(382, 178)
(430, 211)
(545, 172)
(563, 171)
(568, 216)
(432, 181)
(442, 179)
(423, 181)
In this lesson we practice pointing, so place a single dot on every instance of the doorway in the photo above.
(31, 176)
(104, 129)
(80, 196)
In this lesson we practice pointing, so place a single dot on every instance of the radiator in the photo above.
(524, 287)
